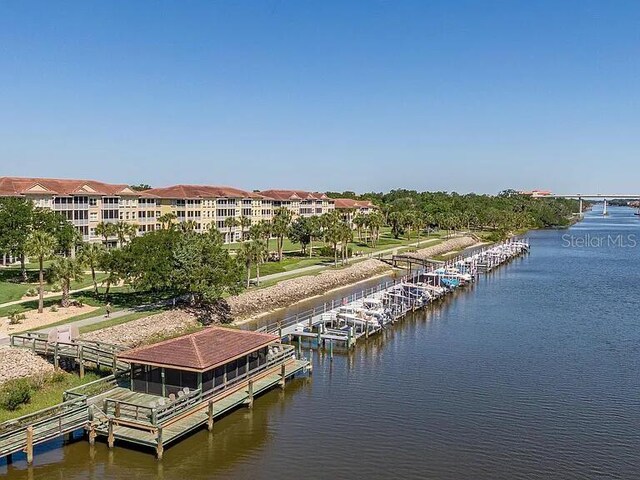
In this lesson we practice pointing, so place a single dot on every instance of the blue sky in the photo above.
(452, 95)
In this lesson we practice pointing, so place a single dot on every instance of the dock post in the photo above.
(210, 416)
(110, 436)
(159, 447)
(55, 356)
(280, 330)
(250, 393)
(9, 459)
(331, 349)
(29, 448)
(310, 367)
(319, 337)
(81, 360)
(92, 434)
(115, 363)
(283, 373)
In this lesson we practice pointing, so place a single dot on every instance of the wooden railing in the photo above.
(99, 353)
(24, 432)
(160, 414)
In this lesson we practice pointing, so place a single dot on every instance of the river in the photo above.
(532, 373)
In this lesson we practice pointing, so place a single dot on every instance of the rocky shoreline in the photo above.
(255, 302)
(453, 244)
(20, 363)
(294, 290)
(145, 330)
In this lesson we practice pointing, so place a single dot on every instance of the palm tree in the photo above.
(315, 231)
(166, 220)
(123, 231)
(281, 221)
(244, 223)
(346, 237)
(230, 223)
(66, 270)
(105, 230)
(90, 254)
(359, 220)
(252, 253)
(188, 226)
(333, 232)
(375, 222)
(42, 245)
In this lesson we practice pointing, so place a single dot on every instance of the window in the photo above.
(232, 370)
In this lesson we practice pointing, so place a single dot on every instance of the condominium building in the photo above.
(85, 203)
(349, 208)
(300, 202)
(206, 206)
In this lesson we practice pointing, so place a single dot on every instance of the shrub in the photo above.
(55, 287)
(32, 292)
(15, 318)
(15, 393)
(54, 308)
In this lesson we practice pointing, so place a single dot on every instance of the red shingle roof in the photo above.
(350, 203)
(198, 191)
(294, 195)
(200, 351)
(18, 186)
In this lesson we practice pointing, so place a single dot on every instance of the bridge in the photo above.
(603, 196)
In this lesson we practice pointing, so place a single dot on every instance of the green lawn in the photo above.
(49, 394)
(12, 288)
(119, 297)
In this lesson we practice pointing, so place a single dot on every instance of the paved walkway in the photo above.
(46, 295)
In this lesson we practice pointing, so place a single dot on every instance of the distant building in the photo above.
(85, 203)
(207, 206)
(300, 202)
(536, 193)
(349, 208)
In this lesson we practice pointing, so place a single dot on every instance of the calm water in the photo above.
(532, 373)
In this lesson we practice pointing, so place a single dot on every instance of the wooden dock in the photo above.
(108, 408)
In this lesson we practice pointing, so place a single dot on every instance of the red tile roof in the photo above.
(200, 351)
(198, 191)
(18, 186)
(350, 203)
(293, 195)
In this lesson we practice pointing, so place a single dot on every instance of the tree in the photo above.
(252, 253)
(346, 237)
(166, 220)
(41, 245)
(281, 220)
(230, 223)
(116, 264)
(123, 231)
(16, 216)
(333, 232)
(66, 235)
(105, 230)
(65, 271)
(375, 221)
(359, 220)
(90, 256)
(140, 187)
(315, 231)
(300, 231)
(244, 223)
(203, 268)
